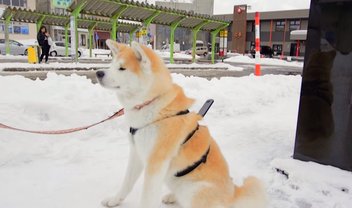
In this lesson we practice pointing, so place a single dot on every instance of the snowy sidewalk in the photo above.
(253, 120)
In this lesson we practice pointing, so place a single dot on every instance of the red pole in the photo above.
(297, 48)
(257, 44)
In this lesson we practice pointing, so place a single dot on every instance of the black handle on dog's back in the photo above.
(206, 107)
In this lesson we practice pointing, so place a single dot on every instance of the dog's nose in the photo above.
(100, 74)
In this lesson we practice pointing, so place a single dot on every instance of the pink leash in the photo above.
(65, 131)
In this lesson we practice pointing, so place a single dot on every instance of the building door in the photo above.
(293, 49)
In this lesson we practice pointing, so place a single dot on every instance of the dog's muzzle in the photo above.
(100, 74)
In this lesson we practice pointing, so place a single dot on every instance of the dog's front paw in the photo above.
(169, 199)
(112, 202)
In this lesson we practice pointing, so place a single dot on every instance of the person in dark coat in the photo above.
(43, 42)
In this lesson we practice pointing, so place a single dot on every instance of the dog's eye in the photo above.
(122, 69)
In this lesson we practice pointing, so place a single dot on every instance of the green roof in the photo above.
(30, 16)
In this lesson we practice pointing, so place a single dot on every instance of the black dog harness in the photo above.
(189, 169)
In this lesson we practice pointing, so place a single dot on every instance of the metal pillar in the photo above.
(90, 34)
(194, 33)
(114, 19)
(40, 22)
(131, 34)
(213, 40)
(66, 39)
(172, 38)
(75, 13)
(7, 41)
(148, 21)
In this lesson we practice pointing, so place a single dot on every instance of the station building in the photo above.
(18, 31)
(284, 31)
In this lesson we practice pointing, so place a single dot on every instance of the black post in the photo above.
(324, 128)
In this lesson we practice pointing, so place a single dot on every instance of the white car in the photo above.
(58, 49)
(16, 48)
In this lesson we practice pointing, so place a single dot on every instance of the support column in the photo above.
(7, 41)
(113, 29)
(114, 19)
(148, 21)
(194, 33)
(75, 13)
(66, 39)
(172, 38)
(131, 34)
(90, 36)
(213, 41)
(40, 22)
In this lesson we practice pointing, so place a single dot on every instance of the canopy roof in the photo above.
(29, 16)
(141, 12)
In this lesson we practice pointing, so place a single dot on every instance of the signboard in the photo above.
(61, 3)
(144, 31)
(239, 28)
(223, 43)
(223, 33)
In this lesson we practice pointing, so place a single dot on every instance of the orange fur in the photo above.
(216, 188)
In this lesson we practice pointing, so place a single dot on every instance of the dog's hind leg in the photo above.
(134, 170)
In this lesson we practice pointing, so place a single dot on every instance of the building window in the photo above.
(83, 40)
(250, 26)
(277, 48)
(15, 28)
(17, 3)
(295, 25)
(280, 25)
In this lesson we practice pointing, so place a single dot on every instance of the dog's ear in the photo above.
(113, 46)
(139, 52)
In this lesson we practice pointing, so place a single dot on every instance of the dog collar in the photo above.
(134, 130)
(138, 107)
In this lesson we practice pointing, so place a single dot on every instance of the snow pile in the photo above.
(100, 52)
(58, 66)
(53, 65)
(253, 120)
(166, 55)
(206, 66)
(333, 183)
(243, 59)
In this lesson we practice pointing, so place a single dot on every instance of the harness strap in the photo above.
(191, 168)
(133, 131)
(190, 135)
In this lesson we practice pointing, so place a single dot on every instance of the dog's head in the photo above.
(136, 74)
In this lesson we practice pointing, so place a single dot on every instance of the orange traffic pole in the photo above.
(257, 44)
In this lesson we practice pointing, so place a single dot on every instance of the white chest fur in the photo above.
(144, 141)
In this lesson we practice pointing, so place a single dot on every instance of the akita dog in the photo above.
(166, 139)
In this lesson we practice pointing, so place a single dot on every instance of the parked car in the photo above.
(200, 51)
(58, 49)
(266, 51)
(16, 48)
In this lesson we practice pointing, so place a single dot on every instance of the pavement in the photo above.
(208, 72)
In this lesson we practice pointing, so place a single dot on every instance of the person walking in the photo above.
(43, 41)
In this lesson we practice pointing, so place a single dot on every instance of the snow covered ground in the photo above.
(166, 55)
(267, 61)
(253, 120)
(57, 65)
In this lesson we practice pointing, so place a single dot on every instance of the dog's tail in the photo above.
(250, 195)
